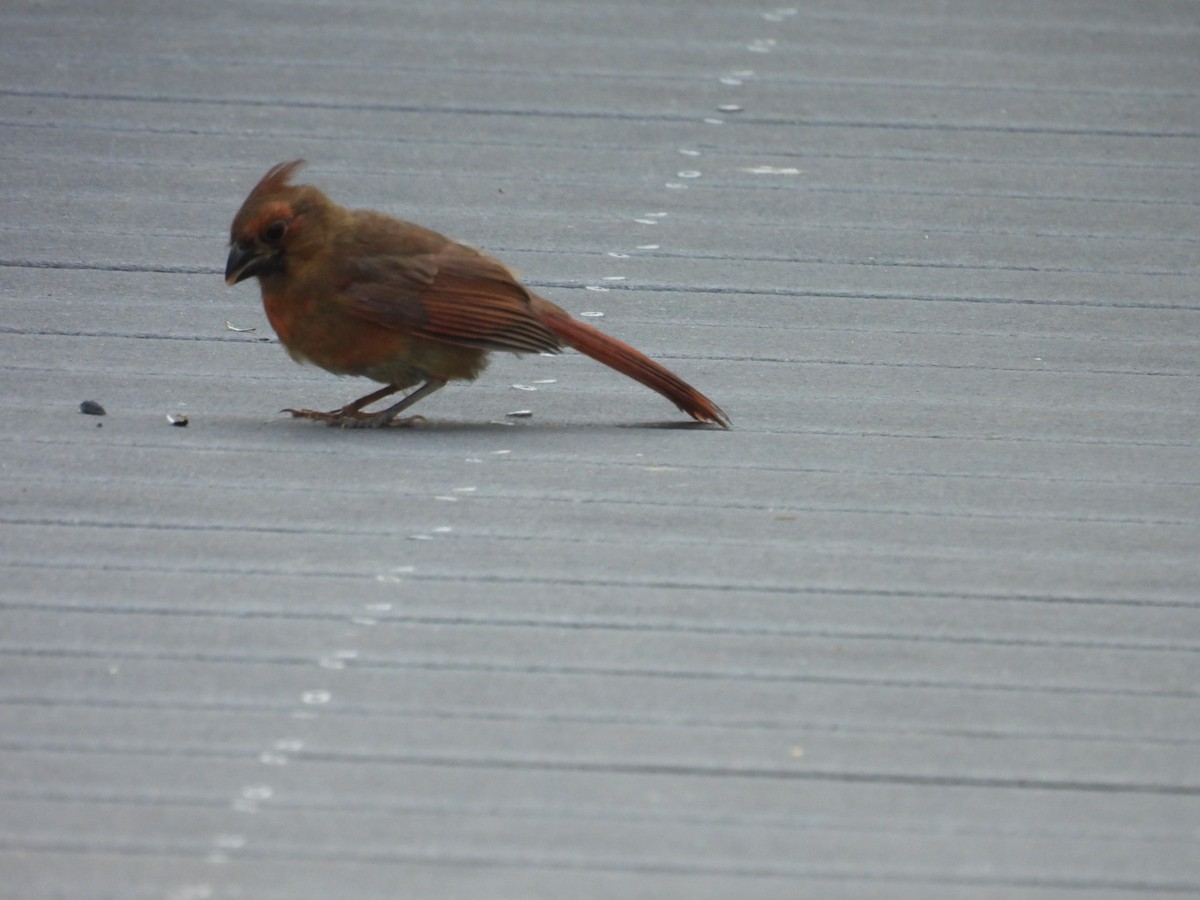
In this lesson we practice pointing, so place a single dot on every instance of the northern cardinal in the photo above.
(359, 293)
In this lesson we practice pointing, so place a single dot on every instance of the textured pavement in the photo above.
(923, 625)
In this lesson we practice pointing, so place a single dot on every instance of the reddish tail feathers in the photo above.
(628, 361)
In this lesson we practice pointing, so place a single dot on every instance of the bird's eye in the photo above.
(275, 231)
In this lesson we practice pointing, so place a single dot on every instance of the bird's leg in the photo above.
(387, 417)
(350, 409)
(351, 415)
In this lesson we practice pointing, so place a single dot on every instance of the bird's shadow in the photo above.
(433, 426)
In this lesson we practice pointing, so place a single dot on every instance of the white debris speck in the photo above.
(771, 170)
(648, 246)
(594, 287)
(687, 152)
(688, 173)
(332, 661)
(592, 314)
(520, 413)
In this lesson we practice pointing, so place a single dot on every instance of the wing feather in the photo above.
(451, 293)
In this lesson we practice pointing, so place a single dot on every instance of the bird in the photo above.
(358, 292)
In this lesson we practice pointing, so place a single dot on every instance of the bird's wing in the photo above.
(451, 293)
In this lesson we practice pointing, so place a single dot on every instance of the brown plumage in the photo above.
(360, 293)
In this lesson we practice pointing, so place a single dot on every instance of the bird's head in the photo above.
(271, 224)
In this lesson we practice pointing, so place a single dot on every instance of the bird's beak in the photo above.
(246, 261)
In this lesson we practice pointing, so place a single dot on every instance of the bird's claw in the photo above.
(316, 415)
(347, 418)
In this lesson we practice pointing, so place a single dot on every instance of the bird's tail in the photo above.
(628, 361)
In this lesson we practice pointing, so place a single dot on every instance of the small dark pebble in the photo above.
(179, 420)
(91, 408)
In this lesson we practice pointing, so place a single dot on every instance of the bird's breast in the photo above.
(324, 334)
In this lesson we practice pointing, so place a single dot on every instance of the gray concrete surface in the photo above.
(923, 625)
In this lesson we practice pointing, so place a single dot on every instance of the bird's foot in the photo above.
(353, 418)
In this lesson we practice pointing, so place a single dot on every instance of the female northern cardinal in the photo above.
(361, 293)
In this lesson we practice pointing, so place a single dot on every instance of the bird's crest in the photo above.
(277, 178)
